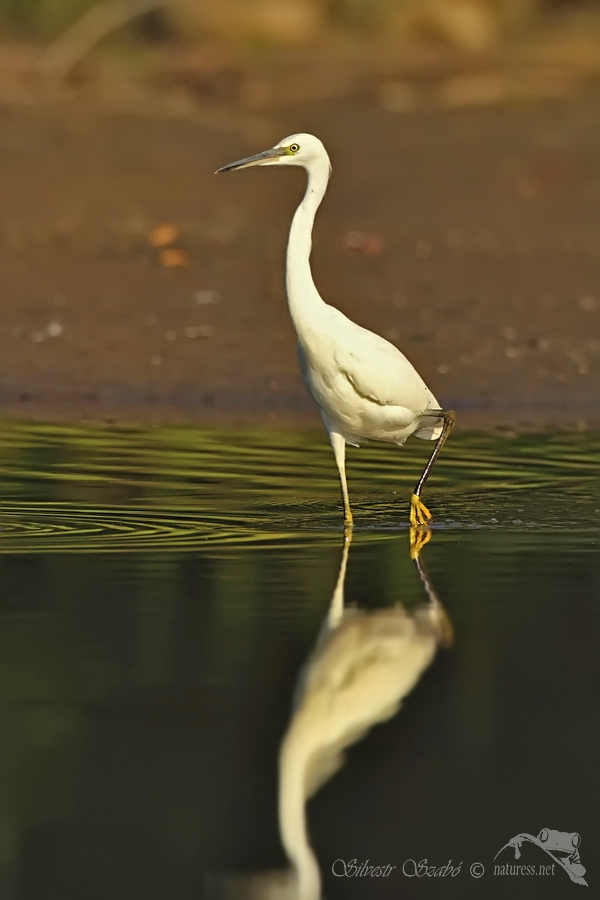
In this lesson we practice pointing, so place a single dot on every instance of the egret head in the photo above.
(296, 150)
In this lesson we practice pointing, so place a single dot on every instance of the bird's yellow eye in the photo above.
(293, 148)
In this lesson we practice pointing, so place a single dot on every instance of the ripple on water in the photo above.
(101, 490)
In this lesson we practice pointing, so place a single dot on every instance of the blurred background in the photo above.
(462, 220)
(162, 588)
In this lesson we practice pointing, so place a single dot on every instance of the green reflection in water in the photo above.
(132, 489)
(144, 694)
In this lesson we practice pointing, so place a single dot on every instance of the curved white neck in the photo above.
(294, 759)
(304, 301)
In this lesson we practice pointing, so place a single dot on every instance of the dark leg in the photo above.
(419, 514)
(438, 613)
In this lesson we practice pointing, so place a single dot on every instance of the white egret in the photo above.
(363, 666)
(363, 385)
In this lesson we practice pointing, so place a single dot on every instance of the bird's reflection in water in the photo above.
(363, 665)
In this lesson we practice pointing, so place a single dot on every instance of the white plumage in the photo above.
(364, 387)
(363, 666)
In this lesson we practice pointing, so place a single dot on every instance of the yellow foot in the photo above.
(419, 536)
(419, 514)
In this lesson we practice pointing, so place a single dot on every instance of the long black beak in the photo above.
(257, 160)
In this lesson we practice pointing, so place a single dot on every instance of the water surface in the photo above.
(165, 596)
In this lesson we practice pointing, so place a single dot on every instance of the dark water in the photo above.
(165, 595)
